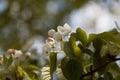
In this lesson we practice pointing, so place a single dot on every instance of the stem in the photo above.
(95, 70)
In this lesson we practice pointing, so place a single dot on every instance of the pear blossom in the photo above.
(51, 32)
(17, 53)
(51, 42)
(46, 48)
(61, 29)
(55, 36)
(58, 36)
(67, 29)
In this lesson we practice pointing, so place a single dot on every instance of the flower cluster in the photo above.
(15, 65)
(55, 36)
(17, 53)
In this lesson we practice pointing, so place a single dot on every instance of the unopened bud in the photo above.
(10, 51)
(51, 32)
(28, 54)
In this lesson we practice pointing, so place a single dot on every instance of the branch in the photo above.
(95, 70)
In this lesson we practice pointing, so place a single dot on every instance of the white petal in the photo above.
(46, 48)
(18, 53)
(58, 36)
(60, 29)
(51, 32)
(67, 29)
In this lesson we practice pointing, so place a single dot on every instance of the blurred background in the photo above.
(24, 23)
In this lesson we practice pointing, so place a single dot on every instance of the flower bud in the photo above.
(51, 32)
(10, 51)
(28, 54)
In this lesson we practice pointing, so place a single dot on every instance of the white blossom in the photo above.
(67, 29)
(58, 36)
(46, 48)
(51, 32)
(51, 42)
(61, 29)
(17, 53)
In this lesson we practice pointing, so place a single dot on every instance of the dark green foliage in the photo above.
(71, 68)
(53, 63)
(80, 59)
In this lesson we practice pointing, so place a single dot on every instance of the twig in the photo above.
(95, 70)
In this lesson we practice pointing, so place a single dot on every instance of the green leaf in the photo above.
(89, 52)
(113, 49)
(108, 76)
(92, 37)
(72, 69)
(23, 73)
(106, 36)
(97, 44)
(7, 61)
(98, 61)
(115, 67)
(68, 49)
(104, 50)
(82, 36)
(117, 77)
(33, 67)
(4, 59)
(75, 48)
(53, 63)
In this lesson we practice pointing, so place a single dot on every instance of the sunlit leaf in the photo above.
(82, 36)
(23, 73)
(75, 48)
(107, 36)
(33, 67)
